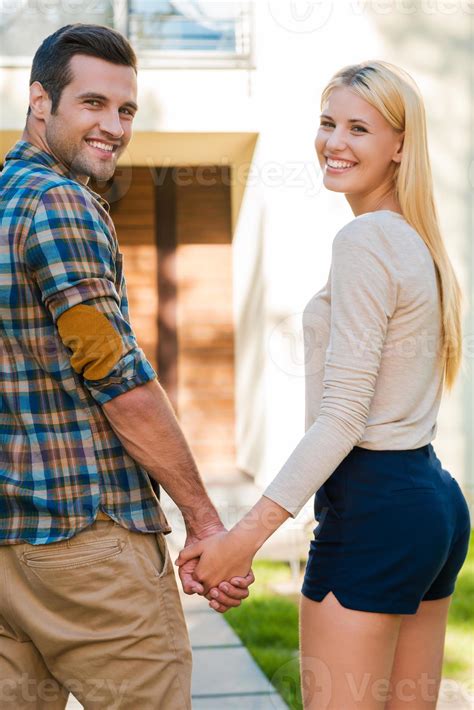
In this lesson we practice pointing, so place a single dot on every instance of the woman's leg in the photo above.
(346, 655)
(416, 673)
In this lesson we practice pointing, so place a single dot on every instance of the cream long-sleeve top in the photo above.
(373, 371)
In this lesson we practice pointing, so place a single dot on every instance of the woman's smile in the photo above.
(337, 166)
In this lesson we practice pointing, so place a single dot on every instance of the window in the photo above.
(25, 23)
(164, 33)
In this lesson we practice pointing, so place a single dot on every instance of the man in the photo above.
(88, 598)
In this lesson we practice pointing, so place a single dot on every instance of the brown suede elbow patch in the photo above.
(96, 345)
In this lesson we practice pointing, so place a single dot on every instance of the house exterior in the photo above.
(224, 224)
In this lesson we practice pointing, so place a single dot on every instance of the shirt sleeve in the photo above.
(72, 260)
(364, 289)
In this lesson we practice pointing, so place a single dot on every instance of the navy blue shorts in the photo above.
(393, 530)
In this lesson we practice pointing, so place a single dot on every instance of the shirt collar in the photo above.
(22, 150)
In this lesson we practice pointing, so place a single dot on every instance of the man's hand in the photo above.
(222, 556)
(230, 593)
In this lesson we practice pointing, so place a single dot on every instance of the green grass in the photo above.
(267, 623)
(459, 647)
(268, 626)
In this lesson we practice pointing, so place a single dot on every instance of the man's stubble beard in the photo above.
(72, 155)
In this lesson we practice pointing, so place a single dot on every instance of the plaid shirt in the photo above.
(60, 460)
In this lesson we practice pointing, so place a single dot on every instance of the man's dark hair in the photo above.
(51, 62)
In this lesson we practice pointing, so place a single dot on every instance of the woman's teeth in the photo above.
(339, 164)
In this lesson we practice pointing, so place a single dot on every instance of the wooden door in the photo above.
(174, 230)
(196, 333)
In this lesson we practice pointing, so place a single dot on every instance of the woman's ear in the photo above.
(397, 156)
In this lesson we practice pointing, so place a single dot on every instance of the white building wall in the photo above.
(296, 56)
(282, 240)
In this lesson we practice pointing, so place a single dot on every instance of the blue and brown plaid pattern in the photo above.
(60, 460)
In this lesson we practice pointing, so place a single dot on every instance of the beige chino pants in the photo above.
(98, 615)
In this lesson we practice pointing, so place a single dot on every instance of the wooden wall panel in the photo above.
(206, 355)
(134, 218)
(176, 242)
(205, 319)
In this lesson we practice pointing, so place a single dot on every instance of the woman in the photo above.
(393, 526)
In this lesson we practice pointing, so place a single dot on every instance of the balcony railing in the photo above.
(183, 33)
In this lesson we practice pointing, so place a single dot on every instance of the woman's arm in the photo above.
(364, 288)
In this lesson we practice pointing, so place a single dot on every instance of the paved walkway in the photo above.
(225, 676)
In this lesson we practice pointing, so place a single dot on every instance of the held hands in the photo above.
(220, 555)
(229, 593)
(204, 563)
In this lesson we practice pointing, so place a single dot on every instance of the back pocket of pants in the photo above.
(87, 553)
(151, 554)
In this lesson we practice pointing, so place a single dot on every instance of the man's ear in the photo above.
(397, 156)
(40, 103)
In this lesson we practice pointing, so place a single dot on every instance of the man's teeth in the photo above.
(339, 164)
(102, 146)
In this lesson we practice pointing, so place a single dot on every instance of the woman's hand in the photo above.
(227, 555)
(230, 593)
(221, 557)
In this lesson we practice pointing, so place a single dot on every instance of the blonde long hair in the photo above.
(395, 94)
